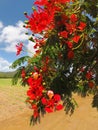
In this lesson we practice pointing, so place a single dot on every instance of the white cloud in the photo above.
(1, 25)
(4, 65)
(30, 47)
(10, 35)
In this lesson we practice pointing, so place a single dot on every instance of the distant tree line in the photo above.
(7, 74)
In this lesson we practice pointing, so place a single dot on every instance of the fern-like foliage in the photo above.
(16, 76)
(20, 61)
(18, 64)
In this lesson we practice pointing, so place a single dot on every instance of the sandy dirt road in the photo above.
(84, 118)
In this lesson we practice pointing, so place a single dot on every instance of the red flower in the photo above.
(46, 2)
(36, 92)
(34, 106)
(82, 25)
(70, 28)
(23, 73)
(62, 1)
(57, 97)
(48, 109)
(64, 34)
(30, 81)
(45, 68)
(76, 38)
(91, 84)
(89, 75)
(64, 18)
(47, 60)
(59, 107)
(73, 18)
(36, 69)
(70, 54)
(70, 45)
(19, 48)
(44, 101)
(36, 46)
(31, 94)
(36, 114)
(41, 2)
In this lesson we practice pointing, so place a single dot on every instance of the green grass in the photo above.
(5, 82)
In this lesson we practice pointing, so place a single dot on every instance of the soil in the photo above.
(16, 116)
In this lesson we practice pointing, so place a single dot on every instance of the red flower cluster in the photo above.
(43, 18)
(35, 92)
(70, 34)
(36, 88)
(52, 102)
(40, 20)
(47, 17)
(37, 95)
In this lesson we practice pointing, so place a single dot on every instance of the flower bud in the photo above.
(50, 94)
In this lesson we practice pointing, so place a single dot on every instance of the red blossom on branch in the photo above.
(73, 18)
(70, 44)
(82, 25)
(23, 73)
(47, 2)
(40, 20)
(71, 28)
(59, 107)
(91, 84)
(63, 34)
(44, 101)
(52, 103)
(88, 75)
(76, 38)
(41, 2)
(19, 48)
(70, 54)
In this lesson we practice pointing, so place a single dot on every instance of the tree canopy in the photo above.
(65, 33)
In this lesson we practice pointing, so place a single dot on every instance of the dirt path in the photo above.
(84, 118)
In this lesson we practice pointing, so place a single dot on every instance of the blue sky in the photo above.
(11, 29)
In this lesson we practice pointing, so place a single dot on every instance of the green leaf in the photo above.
(19, 62)
(16, 77)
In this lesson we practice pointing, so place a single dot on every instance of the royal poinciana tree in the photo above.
(65, 33)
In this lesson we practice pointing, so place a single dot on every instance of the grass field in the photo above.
(5, 82)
